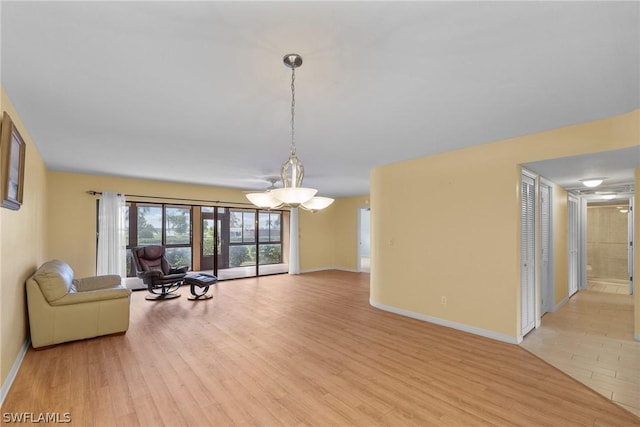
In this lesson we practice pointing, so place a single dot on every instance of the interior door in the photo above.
(527, 254)
(207, 238)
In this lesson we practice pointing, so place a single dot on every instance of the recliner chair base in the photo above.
(156, 297)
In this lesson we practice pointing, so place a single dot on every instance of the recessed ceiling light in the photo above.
(623, 211)
(608, 196)
(592, 182)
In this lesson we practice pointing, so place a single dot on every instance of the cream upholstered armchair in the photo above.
(63, 309)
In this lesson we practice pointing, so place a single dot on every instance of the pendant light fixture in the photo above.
(292, 193)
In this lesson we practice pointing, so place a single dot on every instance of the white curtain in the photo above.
(294, 257)
(111, 235)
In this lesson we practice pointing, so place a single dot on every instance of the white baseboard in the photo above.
(560, 304)
(14, 371)
(311, 270)
(454, 325)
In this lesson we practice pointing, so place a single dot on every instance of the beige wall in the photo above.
(329, 238)
(607, 242)
(22, 248)
(468, 249)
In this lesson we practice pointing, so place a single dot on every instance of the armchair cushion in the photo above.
(96, 295)
(55, 279)
(97, 282)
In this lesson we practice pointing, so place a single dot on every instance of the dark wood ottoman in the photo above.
(199, 285)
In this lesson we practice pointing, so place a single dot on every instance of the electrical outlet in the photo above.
(443, 300)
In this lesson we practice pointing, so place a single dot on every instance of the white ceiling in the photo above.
(615, 167)
(196, 91)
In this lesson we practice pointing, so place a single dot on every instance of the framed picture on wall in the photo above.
(12, 152)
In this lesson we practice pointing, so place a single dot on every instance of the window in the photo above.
(242, 238)
(159, 224)
(270, 237)
(269, 226)
(149, 225)
(242, 226)
(228, 237)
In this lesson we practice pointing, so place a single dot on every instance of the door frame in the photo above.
(547, 290)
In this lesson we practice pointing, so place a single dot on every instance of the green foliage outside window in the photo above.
(270, 254)
(244, 255)
(178, 257)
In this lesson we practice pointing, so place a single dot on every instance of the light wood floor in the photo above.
(136, 284)
(591, 339)
(303, 350)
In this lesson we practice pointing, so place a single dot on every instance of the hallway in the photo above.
(612, 286)
(591, 339)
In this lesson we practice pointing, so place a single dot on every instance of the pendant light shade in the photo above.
(294, 196)
(317, 203)
(264, 200)
(292, 193)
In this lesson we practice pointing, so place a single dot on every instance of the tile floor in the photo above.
(613, 286)
(591, 339)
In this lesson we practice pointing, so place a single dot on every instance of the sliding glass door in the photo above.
(247, 242)
(270, 248)
(236, 229)
(208, 238)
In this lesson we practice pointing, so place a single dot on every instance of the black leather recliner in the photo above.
(153, 268)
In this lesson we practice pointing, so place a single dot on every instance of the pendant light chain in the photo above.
(293, 111)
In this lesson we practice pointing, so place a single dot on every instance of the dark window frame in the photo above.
(133, 228)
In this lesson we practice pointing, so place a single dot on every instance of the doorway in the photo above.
(609, 247)
(364, 240)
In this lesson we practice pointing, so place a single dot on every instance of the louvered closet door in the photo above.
(527, 260)
(545, 247)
